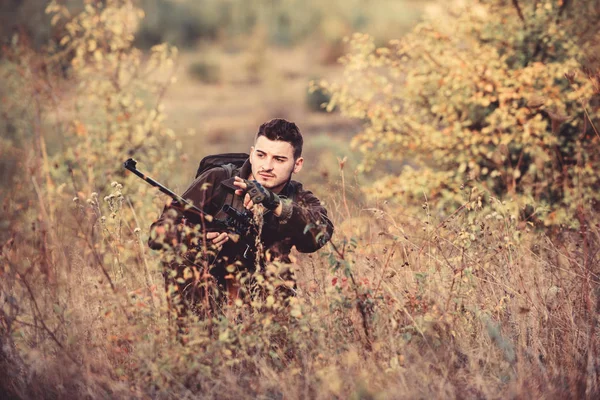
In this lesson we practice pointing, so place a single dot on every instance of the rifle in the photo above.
(240, 224)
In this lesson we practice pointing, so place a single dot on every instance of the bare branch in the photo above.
(41, 319)
(519, 11)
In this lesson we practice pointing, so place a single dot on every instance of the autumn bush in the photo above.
(419, 304)
(489, 95)
(185, 23)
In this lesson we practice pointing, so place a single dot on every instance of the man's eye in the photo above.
(260, 155)
(279, 160)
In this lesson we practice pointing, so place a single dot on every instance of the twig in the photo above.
(41, 319)
(147, 276)
(387, 261)
(563, 7)
(341, 164)
(519, 11)
(96, 256)
(362, 308)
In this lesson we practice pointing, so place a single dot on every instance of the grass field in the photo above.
(403, 303)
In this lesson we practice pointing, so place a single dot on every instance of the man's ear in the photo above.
(298, 165)
(251, 153)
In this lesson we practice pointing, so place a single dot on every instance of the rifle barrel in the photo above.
(130, 165)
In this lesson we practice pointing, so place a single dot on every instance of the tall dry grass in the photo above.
(398, 306)
(401, 304)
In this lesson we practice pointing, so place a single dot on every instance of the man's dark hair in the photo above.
(280, 129)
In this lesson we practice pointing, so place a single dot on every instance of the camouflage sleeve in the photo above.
(305, 221)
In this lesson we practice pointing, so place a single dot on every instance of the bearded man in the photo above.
(259, 185)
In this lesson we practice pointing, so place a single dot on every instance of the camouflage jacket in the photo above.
(303, 222)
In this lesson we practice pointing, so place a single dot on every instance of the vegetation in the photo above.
(494, 99)
(456, 293)
(186, 22)
(287, 22)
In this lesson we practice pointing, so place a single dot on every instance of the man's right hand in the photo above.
(218, 239)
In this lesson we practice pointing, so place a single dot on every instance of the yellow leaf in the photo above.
(224, 336)
(54, 19)
(270, 301)
(296, 312)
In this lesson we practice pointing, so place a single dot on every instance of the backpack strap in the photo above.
(229, 197)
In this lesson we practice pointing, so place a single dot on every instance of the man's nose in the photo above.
(268, 165)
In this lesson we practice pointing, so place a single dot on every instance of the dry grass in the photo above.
(401, 305)
(398, 307)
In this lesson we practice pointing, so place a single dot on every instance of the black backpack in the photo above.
(229, 161)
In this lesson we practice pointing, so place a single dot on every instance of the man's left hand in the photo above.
(255, 193)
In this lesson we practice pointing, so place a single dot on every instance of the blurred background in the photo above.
(242, 63)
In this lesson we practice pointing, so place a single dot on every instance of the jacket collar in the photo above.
(246, 169)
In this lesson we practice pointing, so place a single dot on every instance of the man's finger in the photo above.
(240, 183)
(242, 187)
(219, 245)
(222, 237)
(248, 202)
(212, 235)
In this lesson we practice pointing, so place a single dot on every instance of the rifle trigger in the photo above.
(246, 251)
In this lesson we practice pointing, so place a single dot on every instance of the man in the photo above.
(262, 186)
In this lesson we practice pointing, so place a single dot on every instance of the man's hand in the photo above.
(255, 193)
(218, 239)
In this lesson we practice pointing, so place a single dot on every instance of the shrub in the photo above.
(26, 18)
(287, 23)
(492, 95)
(115, 104)
(178, 23)
(317, 98)
(205, 72)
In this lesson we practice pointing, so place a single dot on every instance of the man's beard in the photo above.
(273, 184)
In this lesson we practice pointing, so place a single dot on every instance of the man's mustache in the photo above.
(263, 172)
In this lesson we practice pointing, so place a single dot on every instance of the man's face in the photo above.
(273, 163)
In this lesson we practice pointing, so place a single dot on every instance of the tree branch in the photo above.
(519, 11)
